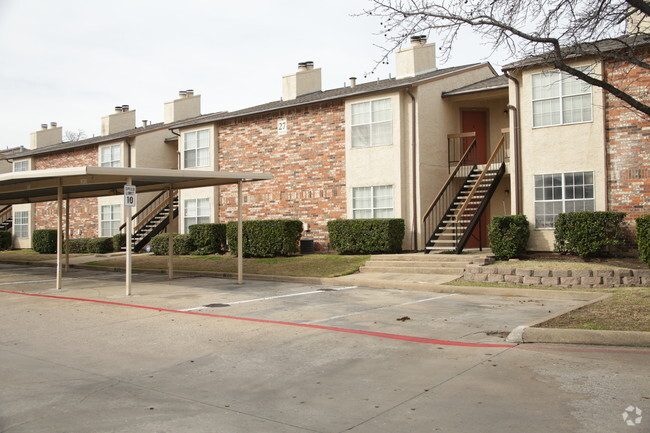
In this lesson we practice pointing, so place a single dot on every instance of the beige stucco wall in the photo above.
(559, 149)
(182, 108)
(436, 118)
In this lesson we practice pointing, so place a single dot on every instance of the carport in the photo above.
(83, 182)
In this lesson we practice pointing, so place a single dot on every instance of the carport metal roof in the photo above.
(82, 182)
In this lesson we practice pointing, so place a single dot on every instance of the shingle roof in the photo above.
(598, 48)
(329, 95)
(68, 145)
(492, 83)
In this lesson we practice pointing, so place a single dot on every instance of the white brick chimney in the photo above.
(46, 136)
(186, 106)
(306, 80)
(122, 120)
(416, 59)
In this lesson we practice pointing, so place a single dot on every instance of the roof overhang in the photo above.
(80, 182)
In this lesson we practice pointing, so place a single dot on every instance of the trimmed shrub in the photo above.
(5, 240)
(183, 245)
(208, 238)
(90, 246)
(587, 234)
(367, 236)
(643, 237)
(268, 238)
(508, 235)
(44, 241)
(119, 241)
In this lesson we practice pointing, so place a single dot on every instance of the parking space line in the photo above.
(268, 298)
(274, 322)
(26, 282)
(379, 308)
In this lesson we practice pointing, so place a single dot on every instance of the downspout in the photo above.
(517, 143)
(414, 170)
(178, 152)
(128, 152)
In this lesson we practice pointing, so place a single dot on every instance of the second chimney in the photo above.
(306, 80)
(122, 120)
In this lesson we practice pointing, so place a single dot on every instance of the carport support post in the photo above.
(59, 232)
(170, 237)
(67, 234)
(240, 236)
(129, 247)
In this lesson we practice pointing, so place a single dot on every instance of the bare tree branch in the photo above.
(554, 32)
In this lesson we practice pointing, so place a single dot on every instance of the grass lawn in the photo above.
(29, 256)
(314, 265)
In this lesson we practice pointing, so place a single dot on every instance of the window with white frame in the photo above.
(372, 202)
(196, 211)
(372, 123)
(21, 224)
(21, 165)
(560, 99)
(561, 193)
(196, 151)
(110, 156)
(109, 220)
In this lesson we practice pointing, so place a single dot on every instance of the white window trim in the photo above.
(116, 218)
(25, 225)
(373, 209)
(563, 199)
(372, 122)
(112, 162)
(21, 162)
(187, 203)
(185, 149)
(560, 97)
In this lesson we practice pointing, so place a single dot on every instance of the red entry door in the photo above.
(476, 121)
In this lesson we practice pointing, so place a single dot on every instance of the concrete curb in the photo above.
(527, 334)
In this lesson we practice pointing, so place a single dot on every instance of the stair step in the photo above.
(413, 270)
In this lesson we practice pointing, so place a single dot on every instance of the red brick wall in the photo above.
(83, 212)
(628, 141)
(308, 165)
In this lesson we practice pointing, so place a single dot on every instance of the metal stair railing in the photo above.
(471, 215)
(6, 217)
(444, 200)
(150, 211)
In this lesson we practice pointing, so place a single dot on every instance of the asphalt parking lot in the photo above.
(208, 355)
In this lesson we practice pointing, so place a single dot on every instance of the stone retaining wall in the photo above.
(566, 278)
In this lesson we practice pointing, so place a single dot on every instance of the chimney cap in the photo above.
(182, 93)
(125, 107)
(189, 92)
(43, 125)
(118, 108)
(419, 39)
(53, 124)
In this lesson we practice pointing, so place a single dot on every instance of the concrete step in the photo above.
(407, 265)
(412, 270)
(418, 257)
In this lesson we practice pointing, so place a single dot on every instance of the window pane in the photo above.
(362, 214)
(381, 110)
(546, 85)
(382, 134)
(360, 113)
(383, 197)
(190, 158)
(361, 198)
(190, 140)
(576, 108)
(361, 136)
(384, 213)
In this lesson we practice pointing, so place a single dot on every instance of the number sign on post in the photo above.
(129, 195)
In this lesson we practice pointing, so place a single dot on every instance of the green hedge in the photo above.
(366, 236)
(267, 238)
(643, 237)
(588, 234)
(44, 241)
(5, 240)
(508, 235)
(183, 245)
(208, 238)
(119, 241)
(90, 246)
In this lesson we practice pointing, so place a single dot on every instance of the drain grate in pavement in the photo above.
(216, 305)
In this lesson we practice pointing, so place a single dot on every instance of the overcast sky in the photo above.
(73, 61)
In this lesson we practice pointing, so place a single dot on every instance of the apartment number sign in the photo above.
(282, 126)
(129, 195)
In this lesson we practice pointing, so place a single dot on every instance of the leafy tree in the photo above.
(554, 31)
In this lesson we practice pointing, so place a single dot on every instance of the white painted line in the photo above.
(26, 282)
(268, 298)
(379, 308)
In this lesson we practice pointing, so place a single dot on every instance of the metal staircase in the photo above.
(6, 218)
(458, 207)
(152, 219)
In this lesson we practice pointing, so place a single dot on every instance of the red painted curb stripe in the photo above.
(274, 322)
